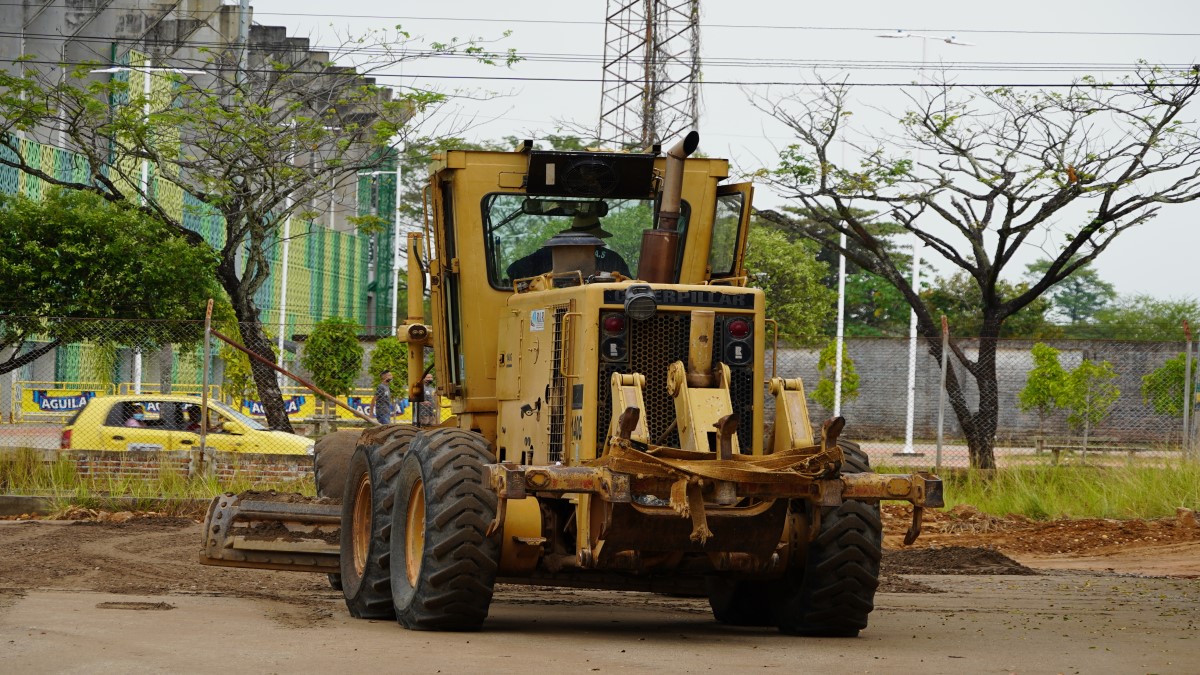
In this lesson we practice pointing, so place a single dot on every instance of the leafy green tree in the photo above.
(978, 175)
(76, 255)
(257, 145)
(874, 308)
(390, 354)
(1143, 317)
(791, 277)
(824, 391)
(958, 298)
(1045, 385)
(333, 355)
(1090, 395)
(1163, 389)
(1077, 298)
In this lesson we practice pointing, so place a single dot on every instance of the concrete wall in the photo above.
(882, 365)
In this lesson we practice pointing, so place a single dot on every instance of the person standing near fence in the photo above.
(383, 398)
(427, 410)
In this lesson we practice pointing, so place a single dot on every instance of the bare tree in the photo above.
(978, 175)
(256, 144)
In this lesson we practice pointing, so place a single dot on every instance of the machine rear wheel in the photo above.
(742, 602)
(836, 590)
(443, 564)
(366, 524)
(331, 459)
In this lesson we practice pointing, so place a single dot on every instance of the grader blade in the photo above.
(265, 530)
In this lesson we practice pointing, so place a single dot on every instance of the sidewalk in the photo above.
(40, 436)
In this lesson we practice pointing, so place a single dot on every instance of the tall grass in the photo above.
(23, 472)
(1046, 492)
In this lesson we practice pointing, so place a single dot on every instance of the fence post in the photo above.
(198, 462)
(937, 466)
(1187, 391)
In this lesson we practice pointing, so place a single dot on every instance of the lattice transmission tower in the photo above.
(651, 86)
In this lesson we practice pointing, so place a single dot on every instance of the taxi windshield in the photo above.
(244, 419)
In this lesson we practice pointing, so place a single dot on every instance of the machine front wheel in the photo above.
(834, 591)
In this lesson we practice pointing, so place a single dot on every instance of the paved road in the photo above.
(1064, 622)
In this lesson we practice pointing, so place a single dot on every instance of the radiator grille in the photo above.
(556, 395)
(653, 345)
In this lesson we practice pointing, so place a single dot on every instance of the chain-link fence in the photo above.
(1057, 401)
(93, 385)
(113, 385)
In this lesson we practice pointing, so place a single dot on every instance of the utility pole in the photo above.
(650, 89)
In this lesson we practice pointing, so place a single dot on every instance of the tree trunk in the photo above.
(256, 340)
(979, 426)
(166, 368)
(264, 378)
(981, 443)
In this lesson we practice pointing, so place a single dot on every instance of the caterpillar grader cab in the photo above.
(617, 424)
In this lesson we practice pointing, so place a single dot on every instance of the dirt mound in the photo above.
(1017, 535)
(951, 560)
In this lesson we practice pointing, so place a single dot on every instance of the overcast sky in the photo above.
(755, 41)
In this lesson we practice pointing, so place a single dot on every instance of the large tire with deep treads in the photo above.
(835, 592)
(443, 563)
(366, 523)
(756, 602)
(331, 459)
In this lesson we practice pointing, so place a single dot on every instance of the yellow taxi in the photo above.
(165, 422)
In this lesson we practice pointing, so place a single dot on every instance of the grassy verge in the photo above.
(1045, 492)
(23, 473)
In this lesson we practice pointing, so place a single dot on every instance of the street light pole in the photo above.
(287, 244)
(841, 329)
(396, 234)
(912, 357)
(916, 259)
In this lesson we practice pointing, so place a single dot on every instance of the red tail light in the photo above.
(614, 323)
(65, 444)
(739, 328)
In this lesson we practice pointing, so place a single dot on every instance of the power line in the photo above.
(781, 83)
(724, 62)
(861, 29)
(566, 22)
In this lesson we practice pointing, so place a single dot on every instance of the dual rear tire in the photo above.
(443, 563)
(331, 459)
(414, 520)
(370, 492)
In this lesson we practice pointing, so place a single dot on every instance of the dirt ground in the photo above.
(123, 592)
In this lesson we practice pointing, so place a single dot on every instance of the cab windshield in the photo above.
(516, 227)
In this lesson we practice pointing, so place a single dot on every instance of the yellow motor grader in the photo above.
(616, 424)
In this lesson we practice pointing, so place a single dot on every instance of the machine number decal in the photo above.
(577, 427)
(537, 320)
